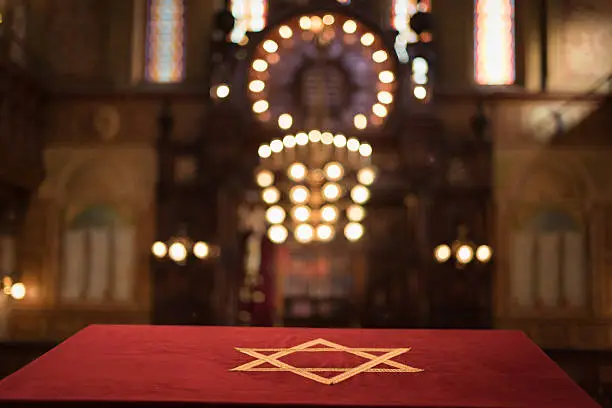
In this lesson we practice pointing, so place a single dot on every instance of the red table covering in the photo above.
(214, 366)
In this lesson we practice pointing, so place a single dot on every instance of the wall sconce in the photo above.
(463, 251)
(16, 290)
(180, 250)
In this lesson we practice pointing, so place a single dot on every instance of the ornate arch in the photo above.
(106, 176)
(552, 179)
(553, 183)
(346, 66)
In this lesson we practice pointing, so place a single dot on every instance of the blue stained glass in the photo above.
(165, 41)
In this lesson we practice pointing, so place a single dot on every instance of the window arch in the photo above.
(165, 43)
(549, 262)
(494, 42)
(98, 261)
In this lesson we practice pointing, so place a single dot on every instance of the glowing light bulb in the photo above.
(260, 65)
(159, 249)
(327, 138)
(276, 146)
(484, 253)
(329, 213)
(18, 291)
(270, 46)
(328, 19)
(352, 145)
(201, 250)
(305, 23)
(366, 176)
(367, 39)
(420, 65)
(177, 252)
(331, 191)
(360, 121)
(334, 171)
(353, 231)
(380, 56)
(360, 194)
(285, 32)
(275, 215)
(264, 178)
(379, 110)
(355, 213)
(301, 213)
(349, 27)
(285, 121)
(316, 24)
(442, 253)
(386, 77)
(277, 234)
(289, 141)
(365, 150)
(297, 172)
(301, 139)
(264, 151)
(304, 233)
(385, 97)
(314, 136)
(257, 86)
(261, 106)
(465, 254)
(270, 195)
(299, 195)
(325, 233)
(340, 140)
(420, 92)
(223, 91)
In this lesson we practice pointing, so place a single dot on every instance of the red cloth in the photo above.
(164, 364)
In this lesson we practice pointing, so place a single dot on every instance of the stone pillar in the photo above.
(5, 303)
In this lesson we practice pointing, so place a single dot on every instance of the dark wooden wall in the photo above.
(22, 100)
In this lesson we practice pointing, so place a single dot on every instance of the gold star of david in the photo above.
(346, 373)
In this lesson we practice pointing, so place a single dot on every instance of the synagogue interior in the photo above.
(423, 164)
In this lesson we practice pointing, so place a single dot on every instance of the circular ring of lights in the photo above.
(320, 199)
(353, 49)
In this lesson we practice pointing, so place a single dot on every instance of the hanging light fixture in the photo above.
(315, 184)
(463, 251)
(9, 287)
(180, 249)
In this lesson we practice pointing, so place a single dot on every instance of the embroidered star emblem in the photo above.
(322, 345)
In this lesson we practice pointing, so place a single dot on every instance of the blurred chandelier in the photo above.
(463, 251)
(180, 249)
(314, 185)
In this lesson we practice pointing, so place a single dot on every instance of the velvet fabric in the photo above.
(192, 366)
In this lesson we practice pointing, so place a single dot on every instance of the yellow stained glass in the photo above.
(494, 46)
(249, 15)
(165, 41)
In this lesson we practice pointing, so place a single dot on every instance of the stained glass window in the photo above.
(165, 41)
(250, 15)
(401, 12)
(494, 47)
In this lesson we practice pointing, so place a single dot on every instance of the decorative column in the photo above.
(5, 303)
